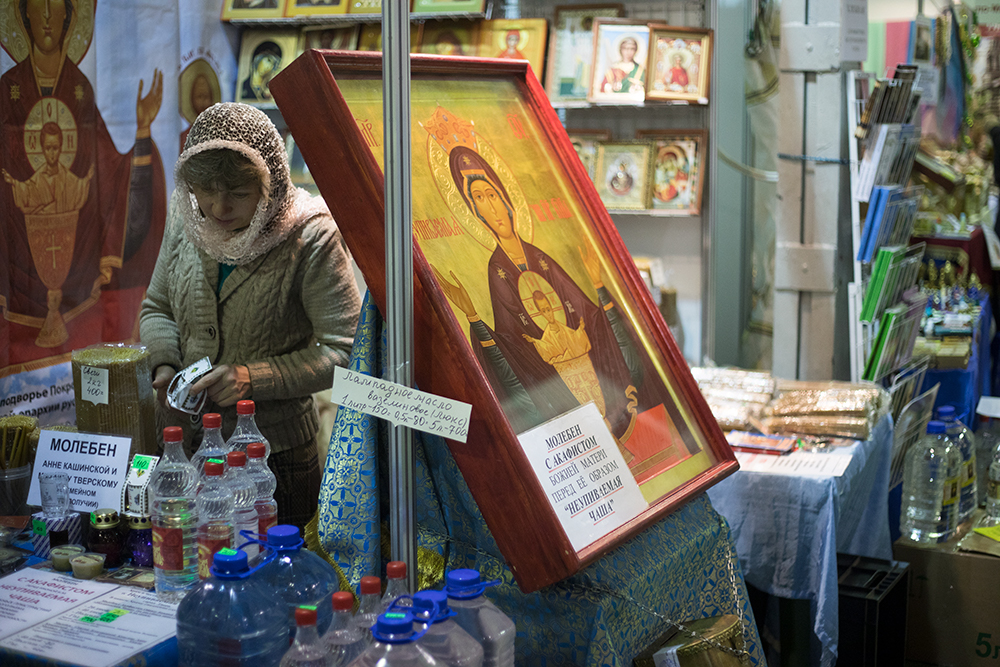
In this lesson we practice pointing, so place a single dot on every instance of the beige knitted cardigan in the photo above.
(288, 315)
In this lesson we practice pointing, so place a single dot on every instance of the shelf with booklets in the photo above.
(885, 303)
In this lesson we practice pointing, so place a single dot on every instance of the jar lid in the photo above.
(139, 523)
(104, 518)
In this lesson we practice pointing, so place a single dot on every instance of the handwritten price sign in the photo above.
(401, 405)
(94, 384)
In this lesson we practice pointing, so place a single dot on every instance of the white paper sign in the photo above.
(989, 406)
(854, 30)
(583, 474)
(401, 405)
(94, 384)
(31, 596)
(806, 464)
(96, 465)
(103, 631)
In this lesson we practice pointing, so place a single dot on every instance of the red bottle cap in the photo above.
(211, 420)
(244, 408)
(213, 468)
(173, 434)
(343, 601)
(396, 569)
(305, 616)
(256, 450)
(370, 585)
(236, 459)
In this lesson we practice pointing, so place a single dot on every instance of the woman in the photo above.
(252, 274)
(626, 75)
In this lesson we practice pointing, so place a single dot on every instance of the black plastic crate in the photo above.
(872, 596)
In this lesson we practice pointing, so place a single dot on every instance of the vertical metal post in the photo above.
(399, 272)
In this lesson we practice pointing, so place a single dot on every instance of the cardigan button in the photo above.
(211, 332)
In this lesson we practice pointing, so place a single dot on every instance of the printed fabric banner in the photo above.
(95, 96)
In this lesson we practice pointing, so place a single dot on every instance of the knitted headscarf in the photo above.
(249, 132)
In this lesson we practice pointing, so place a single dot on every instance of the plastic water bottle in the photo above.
(963, 438)
(231, 618)
(481, 618)
(445, 639)
(299, 577)
(307, 650)
(395, 644)
(264, 504)
(370, 605)
(212, 444)
(244, 494)
(992, 516)
(987, 438)
(343, 639)
(930, 487)
(172, 488)
(395, 584)
(216, 520)
(246, 431)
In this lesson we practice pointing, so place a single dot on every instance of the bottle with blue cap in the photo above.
(395, 643)
(445, 639)
(230, 618)
(299, 577)
(962, 438)
(481, 618)
(931, 468)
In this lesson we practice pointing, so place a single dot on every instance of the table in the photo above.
(788, 529)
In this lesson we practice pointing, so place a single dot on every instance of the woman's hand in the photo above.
(147, 107)
(161, 380)
(226, 385)
(456, 293)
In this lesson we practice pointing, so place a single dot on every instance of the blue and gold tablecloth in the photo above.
(682, 568)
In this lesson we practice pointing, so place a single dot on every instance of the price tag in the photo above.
(94, 384)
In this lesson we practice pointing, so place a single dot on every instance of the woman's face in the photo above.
(490, 207)
(628, 49)
(230, 209)
(46, 18)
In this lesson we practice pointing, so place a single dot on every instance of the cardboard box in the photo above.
(954, 609)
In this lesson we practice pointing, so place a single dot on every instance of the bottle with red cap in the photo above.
(213, 445)
(174, 517)
(370, 605)
(396, 583)
(246, 431)
(344, 641)
(307, 650)
(266, 506)
(215, 516)
(244, 495)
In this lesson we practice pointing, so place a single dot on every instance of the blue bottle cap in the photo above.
(284, 537)
(229, 563)
(425, 601)
(463, 584)
(946, 413)
(936, 427)
(394, 627)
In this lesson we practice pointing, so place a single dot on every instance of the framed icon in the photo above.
(515, 39)
(450, 38)
(316, 7)
(585, 142)
(620, 51)
(527, 304)
(677, 169)
(253, 9)
(448, 6)
(680, 61)
(263, 53)
(571, 50)
(621, 174)
(325, 37)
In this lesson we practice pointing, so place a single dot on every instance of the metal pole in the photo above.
(399, 272)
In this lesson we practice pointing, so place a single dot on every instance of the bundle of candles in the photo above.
(15, 440)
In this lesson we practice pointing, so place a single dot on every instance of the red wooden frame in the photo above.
(504, 485)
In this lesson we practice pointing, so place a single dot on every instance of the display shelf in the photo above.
(652, 104)
(651, 213)
(345, 19)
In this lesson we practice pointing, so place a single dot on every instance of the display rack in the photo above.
(884, 305)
